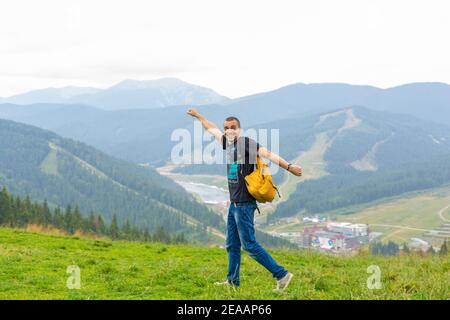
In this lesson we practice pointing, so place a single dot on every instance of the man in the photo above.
(241, 156)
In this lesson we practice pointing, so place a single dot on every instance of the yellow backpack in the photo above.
(259, 183)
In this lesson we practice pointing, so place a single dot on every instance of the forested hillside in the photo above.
(40, 164)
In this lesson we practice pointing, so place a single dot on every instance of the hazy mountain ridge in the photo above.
(127, 94)
(135, 134)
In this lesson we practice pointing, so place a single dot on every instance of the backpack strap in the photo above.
(260, 166)
(246, 150)
(276, 189)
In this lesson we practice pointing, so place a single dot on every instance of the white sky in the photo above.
(234, 47)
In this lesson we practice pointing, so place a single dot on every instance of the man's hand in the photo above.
(208, 125)
(193, 112)
(296, 170)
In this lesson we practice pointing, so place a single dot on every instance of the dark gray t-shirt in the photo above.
(241, 160)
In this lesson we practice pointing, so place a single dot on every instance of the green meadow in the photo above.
(35, 266)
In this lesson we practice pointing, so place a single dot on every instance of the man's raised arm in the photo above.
(208, 125)
(292, 168)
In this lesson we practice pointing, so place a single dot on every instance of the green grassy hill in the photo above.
(33, 266)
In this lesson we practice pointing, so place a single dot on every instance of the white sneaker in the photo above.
(225, 283)
(284, 282)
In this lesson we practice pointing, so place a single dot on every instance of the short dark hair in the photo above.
(234, 118)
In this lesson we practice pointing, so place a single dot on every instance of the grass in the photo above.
(33, 266)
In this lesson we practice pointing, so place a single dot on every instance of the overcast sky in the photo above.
(234, 47)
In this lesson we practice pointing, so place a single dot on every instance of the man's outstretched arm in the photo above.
(208, 125)
(294, 169)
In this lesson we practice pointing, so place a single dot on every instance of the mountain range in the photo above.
(354, 139)
(143, 136)
(127, 94)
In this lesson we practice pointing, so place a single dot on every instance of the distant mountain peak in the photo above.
(434, 84)
(166, 83)
(155, 83)
(145, 94)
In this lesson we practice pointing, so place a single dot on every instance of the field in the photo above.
(34, 266)
(398, 218)
(404, 217)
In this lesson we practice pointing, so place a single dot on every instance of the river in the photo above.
(208, 193)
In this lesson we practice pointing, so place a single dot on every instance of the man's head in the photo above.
(232, 128)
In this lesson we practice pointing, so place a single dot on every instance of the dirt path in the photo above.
(441, 214)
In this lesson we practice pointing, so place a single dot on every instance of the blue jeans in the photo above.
(240, 230)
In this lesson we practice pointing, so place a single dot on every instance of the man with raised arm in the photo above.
(241, 156)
